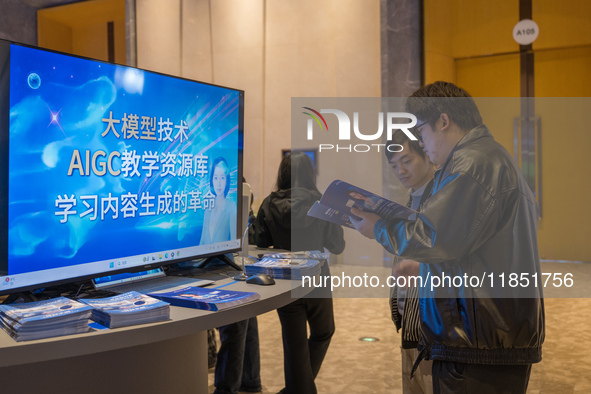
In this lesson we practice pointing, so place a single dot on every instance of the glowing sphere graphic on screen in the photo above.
(34, 81)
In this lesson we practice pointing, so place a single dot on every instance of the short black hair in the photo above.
(400, 138)
(430, 101)
(220, 160)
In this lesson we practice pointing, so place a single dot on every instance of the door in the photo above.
(470, 43)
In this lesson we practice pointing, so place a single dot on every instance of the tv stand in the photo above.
(128, 357)
(221, 257)
(27, 296)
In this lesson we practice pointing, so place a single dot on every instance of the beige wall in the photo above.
(273, 50)
(159, 35)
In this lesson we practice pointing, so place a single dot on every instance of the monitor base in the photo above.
(221, 257)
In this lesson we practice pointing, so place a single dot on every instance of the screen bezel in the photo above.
(4, 177)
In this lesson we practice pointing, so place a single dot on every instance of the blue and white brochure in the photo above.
(37, 312)
(128, 309)
(338, 199)
(204, 298)
(44, 319)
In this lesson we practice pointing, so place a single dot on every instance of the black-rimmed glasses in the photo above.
(416, 132)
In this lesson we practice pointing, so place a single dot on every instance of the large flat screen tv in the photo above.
(106, 168)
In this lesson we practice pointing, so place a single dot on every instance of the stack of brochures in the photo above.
(290, 265)
(206, 299)
(44, 319)
(128, 309)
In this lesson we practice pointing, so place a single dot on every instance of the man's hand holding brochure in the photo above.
(354, 207)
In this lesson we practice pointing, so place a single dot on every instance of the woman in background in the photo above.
(219, 223)
(282, 222)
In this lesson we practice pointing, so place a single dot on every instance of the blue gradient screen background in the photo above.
(57, 105)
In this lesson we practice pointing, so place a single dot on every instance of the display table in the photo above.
(166, 357)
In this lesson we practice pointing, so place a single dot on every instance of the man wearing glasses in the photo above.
(480, 224)
(415, 171)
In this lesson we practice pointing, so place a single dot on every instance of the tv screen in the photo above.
(106, 168)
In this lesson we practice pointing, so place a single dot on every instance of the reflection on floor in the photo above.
(352, 366)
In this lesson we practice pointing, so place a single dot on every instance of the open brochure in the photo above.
(338, 199)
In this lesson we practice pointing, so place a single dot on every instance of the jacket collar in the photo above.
(471, 136)
(476, 133)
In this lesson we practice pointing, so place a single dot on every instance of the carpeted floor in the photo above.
(353, 366)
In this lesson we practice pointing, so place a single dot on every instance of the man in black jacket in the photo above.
(478, 228)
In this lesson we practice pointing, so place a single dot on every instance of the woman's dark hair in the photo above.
(296, 170)
(430, 101)
(220, 160)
